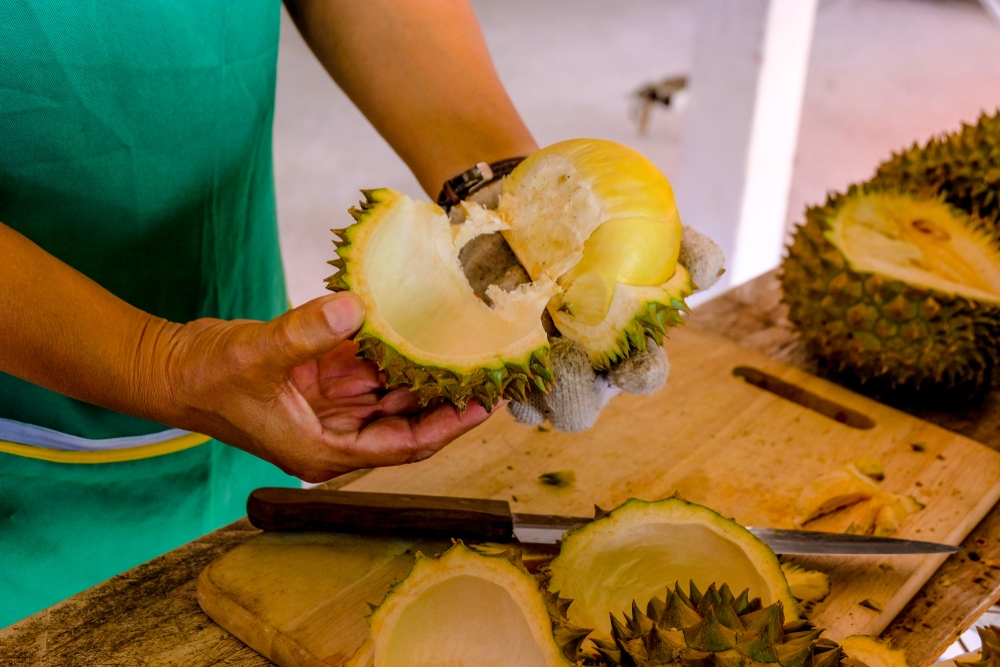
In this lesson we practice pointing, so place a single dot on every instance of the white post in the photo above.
(741, 127)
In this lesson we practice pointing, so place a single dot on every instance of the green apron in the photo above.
(135, 145)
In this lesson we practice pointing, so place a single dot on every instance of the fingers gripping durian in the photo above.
(596, 228)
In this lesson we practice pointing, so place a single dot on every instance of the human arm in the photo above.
(420, 72)
(289, 391)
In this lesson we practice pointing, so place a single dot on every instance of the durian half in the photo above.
(464, 608)
(640, 547)
(897, 289)
(425, 327)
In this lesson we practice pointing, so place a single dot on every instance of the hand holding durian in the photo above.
(584, 237)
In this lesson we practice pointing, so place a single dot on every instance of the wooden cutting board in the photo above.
(711, 435)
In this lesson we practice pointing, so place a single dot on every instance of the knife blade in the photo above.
(476, 519)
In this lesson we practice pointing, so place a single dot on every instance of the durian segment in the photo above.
(868, 651)
(897, 291)
(464, 609)
(806, 585)
(629, 553)
(886, 512)
(833, 491)
(635, 313)
(714, 628)
(963, 166)
(425, 326)
(591, 214)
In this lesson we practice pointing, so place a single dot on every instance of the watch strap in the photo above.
(470, 180)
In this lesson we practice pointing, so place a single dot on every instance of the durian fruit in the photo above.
(600, 220)
(627, 555)
(867, 651)
(963, 166)
(897, 291)
(465, 609)
(425, 327)
(714, 628)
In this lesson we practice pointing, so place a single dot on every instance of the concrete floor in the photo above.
(883, 73)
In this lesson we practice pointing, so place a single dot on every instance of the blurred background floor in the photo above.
(883, 73)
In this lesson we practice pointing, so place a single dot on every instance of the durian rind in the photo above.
(880, 329)
(714, 628)
(871, 652)
(963, 166)
(635, 313)
(509, 606)
(630, 552)
(512, 373)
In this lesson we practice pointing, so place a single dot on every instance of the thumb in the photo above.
(313, 329)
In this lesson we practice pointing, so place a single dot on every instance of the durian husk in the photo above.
(963, 166)
(509, 377)
(635, 314)
(486, 625)
(879, 332)
(626, 554)
(713, 628)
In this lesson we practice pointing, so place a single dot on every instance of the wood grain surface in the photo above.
(150, 616)
(709, 435)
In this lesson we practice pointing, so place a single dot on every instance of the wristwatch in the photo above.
(470, 180)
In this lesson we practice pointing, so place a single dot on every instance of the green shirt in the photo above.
(135, 145)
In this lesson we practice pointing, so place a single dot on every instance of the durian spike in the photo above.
(677, 613)
(710, 635)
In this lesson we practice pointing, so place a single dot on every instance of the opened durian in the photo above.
(468, 609)
(600, 220)
(594, 224)
(963, 166)
(714, 628)
(894, 290)
(628, 555)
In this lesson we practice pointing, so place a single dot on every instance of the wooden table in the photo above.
(149, 616)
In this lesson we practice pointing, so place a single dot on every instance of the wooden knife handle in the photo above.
(389, 514)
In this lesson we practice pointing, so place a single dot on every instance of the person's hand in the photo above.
(292, 392)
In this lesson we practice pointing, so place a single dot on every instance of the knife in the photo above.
(476, 519)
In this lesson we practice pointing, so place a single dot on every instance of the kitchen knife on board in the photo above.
(476, 519)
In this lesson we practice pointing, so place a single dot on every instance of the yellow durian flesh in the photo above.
(920, 242)
(591, 214)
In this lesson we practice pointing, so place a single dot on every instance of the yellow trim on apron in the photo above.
(105, 455)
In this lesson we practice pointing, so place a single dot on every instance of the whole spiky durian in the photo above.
(894, 290)
(963, 166)
(711, 629)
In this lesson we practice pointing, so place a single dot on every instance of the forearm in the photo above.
(61, 330)
(421, 73)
